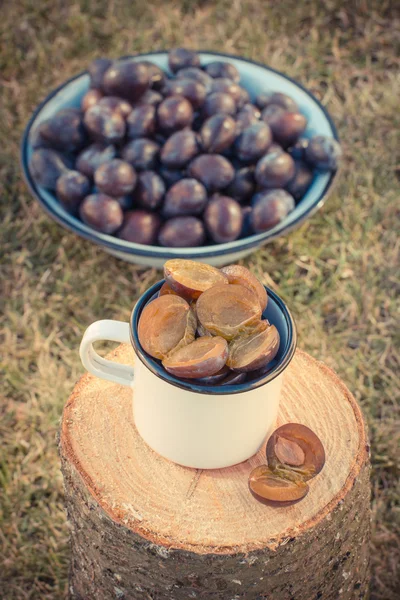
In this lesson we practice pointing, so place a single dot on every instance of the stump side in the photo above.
(209, 511)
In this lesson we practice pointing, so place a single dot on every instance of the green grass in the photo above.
(339, 272)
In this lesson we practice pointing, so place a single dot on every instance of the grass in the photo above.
(339, 272)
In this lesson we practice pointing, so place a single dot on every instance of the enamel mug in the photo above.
(204, 427)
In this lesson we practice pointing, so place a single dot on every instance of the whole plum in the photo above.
(214, 171)
(47, 166)
(287, 127)
(93, 156)
(142, 121)
(227, 86)
(64, 131)
(127, 79)
(223, 219)
(140, 227)
(150, 190)
(179, 149)
(323, 153)
(253, 142)
(104, 124)
(182, 232)
(218, 102)
(180, 58)
(115, 178)
(186, 197)
(219, 68)
(141, 153)
(270, 207)
(71, 188)
(175, 112)
(278, 98)
(101, 212)
(218, 133)
(275, 170)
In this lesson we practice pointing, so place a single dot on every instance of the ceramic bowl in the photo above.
(257, 78)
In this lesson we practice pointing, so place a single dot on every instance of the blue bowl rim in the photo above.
(158, 370)
(121, 246)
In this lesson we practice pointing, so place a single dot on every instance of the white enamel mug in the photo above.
(199, 426)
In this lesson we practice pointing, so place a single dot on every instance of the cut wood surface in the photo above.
(108, 467)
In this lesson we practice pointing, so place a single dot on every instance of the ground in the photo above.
(338, 272)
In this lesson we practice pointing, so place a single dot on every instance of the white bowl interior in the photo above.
(256, 79)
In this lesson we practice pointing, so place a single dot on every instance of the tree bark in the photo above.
(145, 528)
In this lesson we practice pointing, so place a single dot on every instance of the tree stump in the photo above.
(143, 527)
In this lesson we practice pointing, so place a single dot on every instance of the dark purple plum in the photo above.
(301, 181)
(190, 89)
(180, 58)
(248, 115)
(218, 133)
(197, 75)
(150, 190)
(91, 98)
(287, 127)
(93, 156)
(278, 98)
(243, 186)
(141, 153)
(119, 105)
(96, 69)
(127, 79)
(270, 207)
(253, 142)
(214, 171)
(323, 153)
(186, 197)
(71, 188)
(174, 113)
(227, 86)
(115, 178)
(140, 227)
(101, 212)
(218, 102)
(179, 149)
(104, 125)
(182, 232)
(275, 170)
(223, 219)
(46, 166)
(141, 122)
(219, 68)
(64, 131)
(271, 114)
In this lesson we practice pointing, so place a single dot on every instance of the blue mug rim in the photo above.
(116, 245)
(158, 370)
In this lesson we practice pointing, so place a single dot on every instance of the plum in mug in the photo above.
(195, 425)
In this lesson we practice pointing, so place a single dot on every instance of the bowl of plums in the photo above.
(180, 154)
(211, 348)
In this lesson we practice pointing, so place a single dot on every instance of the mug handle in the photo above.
(114, 331)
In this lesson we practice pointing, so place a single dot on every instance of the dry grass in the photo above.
(339, 272)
